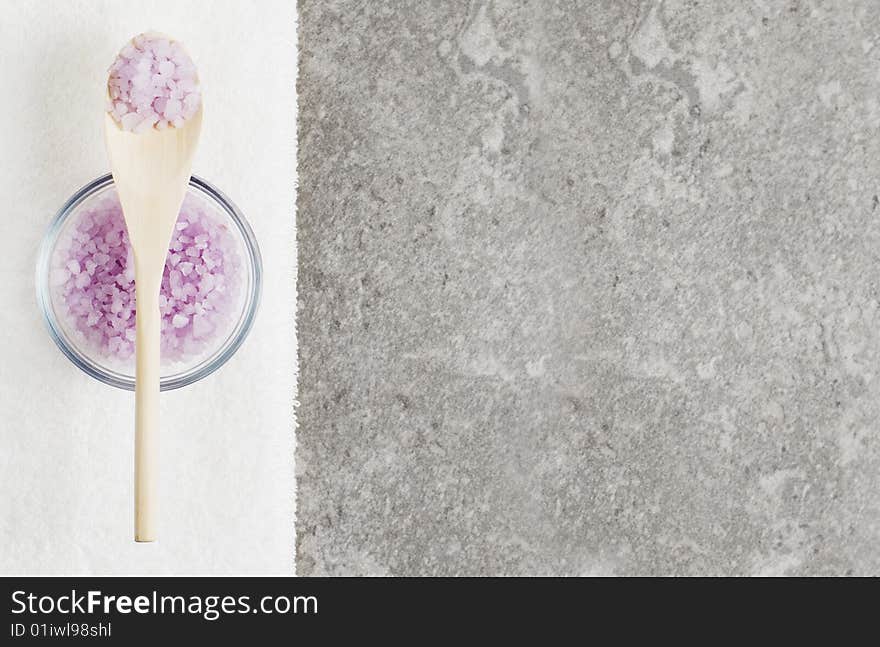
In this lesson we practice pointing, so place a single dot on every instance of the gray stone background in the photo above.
(589, 287)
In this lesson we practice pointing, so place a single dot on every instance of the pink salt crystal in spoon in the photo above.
(153, 84)
(151, 166)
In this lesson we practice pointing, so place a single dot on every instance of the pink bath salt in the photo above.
(153, 84)
(94, 276)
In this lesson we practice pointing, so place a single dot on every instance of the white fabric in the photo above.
(66, 441)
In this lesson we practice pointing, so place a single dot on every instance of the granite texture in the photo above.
(589, 288)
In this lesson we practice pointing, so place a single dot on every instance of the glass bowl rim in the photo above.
(204, 368)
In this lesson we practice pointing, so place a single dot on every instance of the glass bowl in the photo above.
(120, 372)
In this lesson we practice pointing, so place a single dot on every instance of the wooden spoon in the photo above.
(151, 172)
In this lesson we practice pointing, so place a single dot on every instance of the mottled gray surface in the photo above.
(589, 288)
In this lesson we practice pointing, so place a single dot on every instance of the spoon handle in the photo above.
(146, 430)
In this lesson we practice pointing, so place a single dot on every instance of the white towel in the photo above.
(66, 441)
